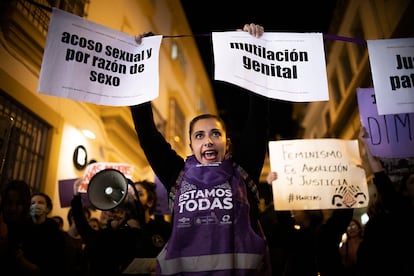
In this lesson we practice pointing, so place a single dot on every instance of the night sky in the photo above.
(205, 17)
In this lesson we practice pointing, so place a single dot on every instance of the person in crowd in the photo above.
(95, 223)
(16, 202)
(15, 218)
(75, 256)
(390, 253)
(155, 228)
(109, 249)
(131, 233)
(59, 220)
(311, 244)
(276, 226)
(349, 247)
(42, 245)
(213, 191)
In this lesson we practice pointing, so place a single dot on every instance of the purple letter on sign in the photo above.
(391, 135)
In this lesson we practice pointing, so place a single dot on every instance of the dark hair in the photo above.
(205, 116)
(95, 220)
(19, 186)
(357, 222)
(404, 181)
(59, 220)
(49, 203)
(316, 216)
(86, 211)
(24, 192)
(150, 187)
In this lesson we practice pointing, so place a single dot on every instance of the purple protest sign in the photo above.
(391, 135)
(66, 193)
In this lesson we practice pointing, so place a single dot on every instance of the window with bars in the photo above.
(23, 143)
(22, 154)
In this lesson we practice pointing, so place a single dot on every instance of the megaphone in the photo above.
(107, 189)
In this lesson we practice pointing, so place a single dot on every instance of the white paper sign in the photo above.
(392, 67)
(88, 62)
(286, 66)
(317, 174)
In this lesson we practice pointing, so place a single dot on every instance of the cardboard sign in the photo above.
(317, 174)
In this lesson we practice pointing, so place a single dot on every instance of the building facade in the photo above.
(43, 141)
(348, 67)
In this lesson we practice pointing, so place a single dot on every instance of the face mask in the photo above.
(37, 210)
